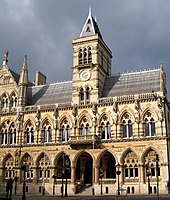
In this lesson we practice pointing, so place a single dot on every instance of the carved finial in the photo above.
(161, 66)
(25, 61)
(89, 11)
(5, 60)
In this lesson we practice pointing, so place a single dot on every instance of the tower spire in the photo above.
(24, 73)
(90, 27)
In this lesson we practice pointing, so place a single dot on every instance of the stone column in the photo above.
(96, 174)
(73, 174)
(35, 175)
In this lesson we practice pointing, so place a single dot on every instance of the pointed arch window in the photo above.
(149, 125)
(105, 130)
(5, 102)
(127, 128)
(130, 166)
(80, 57)
(82, 94)
(13, 101)
(89, 55)
(12, 136)
(84, 127)
(85, 56)
(87, 93)
(65, 132)
(47, 132)
(30, 135)
(9, 168)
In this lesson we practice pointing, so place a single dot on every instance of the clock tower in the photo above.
(91, 63)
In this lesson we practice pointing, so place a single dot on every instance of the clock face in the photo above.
(85, 75)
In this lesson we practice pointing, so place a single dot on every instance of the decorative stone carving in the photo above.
(19, 119)
(137, 111)
(160, 109)
(94, 109)
(37, 117)
(55, 118)
(115, 112)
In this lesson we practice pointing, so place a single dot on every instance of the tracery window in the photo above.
(27, 159)
(5, 101)
(85, 56)
(29, 133)
(65, 130)
(105, 130)
(12, 134)
(84, 127)
(80, 57)
(9, 168)
(13, 100)
(150, 164)
(130, 165)
(149, 125)
(44, 167)
(127, 128)
(85, 94)
(8, 133)
(47, 132)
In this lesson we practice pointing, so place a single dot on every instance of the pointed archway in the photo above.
(84, 168)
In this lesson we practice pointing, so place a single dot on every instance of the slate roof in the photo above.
(132, 83)
(119, 85)
(50, 93)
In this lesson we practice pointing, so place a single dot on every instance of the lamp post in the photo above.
(16, 180)
(157, 180)
(66, 173)
(101, 176)
(24, 167)
(118, 172)
(148, 175)
(54, 177)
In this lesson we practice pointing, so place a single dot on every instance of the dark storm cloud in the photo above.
(137, 32)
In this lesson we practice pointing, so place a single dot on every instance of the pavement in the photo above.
(101, 197)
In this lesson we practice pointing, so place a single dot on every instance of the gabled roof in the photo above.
(132, 83)
(90, 27)
(50, 93)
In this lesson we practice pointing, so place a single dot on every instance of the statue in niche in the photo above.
(115, 112)
(94, 109)
(37, 117)
(19, 120)
(160, 109)
(137, 111)
(55, 116)
(74, 111)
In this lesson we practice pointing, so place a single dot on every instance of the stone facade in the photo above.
(94, 126)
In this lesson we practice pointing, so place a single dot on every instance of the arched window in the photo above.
(150, 164)
(130, 166)
(13, 101)
(82, 94)
(47, 132)
(127, 128)
(84, 127)
(5, 102)
(44, 167)
(89, 55)
(85, 56)
(65, 131)
(8, 133)
(80, 57)
(9, 168)
(87, 93)
(29, 133)
(105, 130)
(149, 125)
(12, 134)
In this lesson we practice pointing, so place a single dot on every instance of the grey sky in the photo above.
(137, 32)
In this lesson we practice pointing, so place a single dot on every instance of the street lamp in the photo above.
(67, 164)
(54, 177)
(101, 176)
(157, 180)
(118, 172)
(24, 167)
(148, 175)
